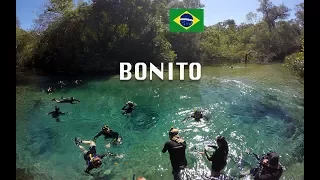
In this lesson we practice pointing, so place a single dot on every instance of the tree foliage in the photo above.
(96, 36)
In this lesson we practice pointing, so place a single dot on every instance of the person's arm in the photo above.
(210, 158)
(165, 147)
(107, 154)
(124, 107)
(63, 113)
(50, 112)
(206, 153)
(77, 100)
(191, 116)
(184, 144)
(254, 154)
(213, 146)
(95, 137)
(116, 136)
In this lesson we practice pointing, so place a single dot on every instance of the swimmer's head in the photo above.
(72, 98)
(173, 132)
(221, 141)
(56, 108)
(105, 128)
(130, 103)
(96, 162)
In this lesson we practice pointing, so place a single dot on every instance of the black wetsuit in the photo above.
(56, 114)
(268, 173)
(177, 156)
(92, 151)
(218, 159)
(197, 116)
(71, 101)
(264, 172)
(128, 110)
(112, 134)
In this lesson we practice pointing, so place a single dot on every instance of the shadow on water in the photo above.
(38, 103)
(143, 118)
(46, 137)
(30, 174)
(258, 110)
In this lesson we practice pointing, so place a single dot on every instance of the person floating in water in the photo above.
(109, 133)
(130, 108)
(70, 100)
(56, 113)
(176, 147)
(49, 90)
(219, 157)
(197, 115)
(62, 83)
(269, 167)
(91, 157)
(78, 81)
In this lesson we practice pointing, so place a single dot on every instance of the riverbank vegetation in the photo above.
(95, 36)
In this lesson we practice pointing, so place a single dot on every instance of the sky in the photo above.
(214, 11)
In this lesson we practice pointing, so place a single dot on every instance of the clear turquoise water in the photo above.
(258, 106)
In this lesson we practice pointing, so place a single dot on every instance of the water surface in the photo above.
(260, 107)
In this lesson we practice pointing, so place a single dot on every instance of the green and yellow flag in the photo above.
(186, 20)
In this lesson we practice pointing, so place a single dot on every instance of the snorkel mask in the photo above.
(105, 127)
(95, 162)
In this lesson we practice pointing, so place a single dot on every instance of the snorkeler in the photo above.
(130, 108)
(197, 115)
(78, 81)
(49, 90)
(176, 148)
(109, 133)
(92, 159)
(61, 83)
(56, 113)
(269, 167)
(72, 100)
(219, 157)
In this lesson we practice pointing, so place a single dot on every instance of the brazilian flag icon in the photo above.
(186, 20)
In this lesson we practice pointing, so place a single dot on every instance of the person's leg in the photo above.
(83, 149)
(176, 174)
(77, 142)
(90, 143)
(54, 99)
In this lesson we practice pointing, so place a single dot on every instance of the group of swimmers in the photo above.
(268, 167)
(61, 84)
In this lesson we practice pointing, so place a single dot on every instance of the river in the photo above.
(258, 107)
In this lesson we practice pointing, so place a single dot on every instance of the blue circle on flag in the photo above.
(186, 20)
